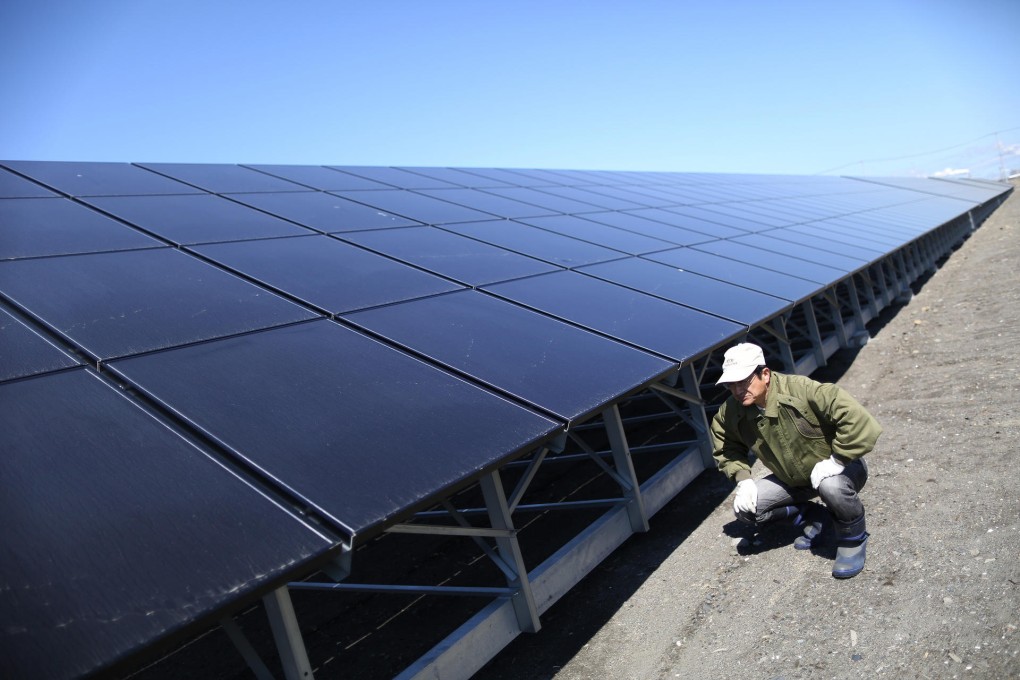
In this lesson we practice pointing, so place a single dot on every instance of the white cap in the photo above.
(740, 361)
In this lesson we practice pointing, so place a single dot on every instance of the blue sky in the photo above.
(735, 86)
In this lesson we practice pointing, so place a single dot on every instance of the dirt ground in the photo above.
(940, 596)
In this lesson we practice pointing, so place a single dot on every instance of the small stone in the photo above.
(947, 600)
(853, 638)
(856, 657)
(955, 658)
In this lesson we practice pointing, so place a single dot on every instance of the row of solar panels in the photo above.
(357, 342)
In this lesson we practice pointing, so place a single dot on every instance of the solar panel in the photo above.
(743, 305)
(319, 177)
(630, 221)
(115, 304)
(118, 533)
(593, 232)
(821, 274)
(196, 218)
(13, 186)
(57, 226)
(99, 179)
(497, 206)
(538, 243)
(25, 352)
(415, 206)
(323, 212)
(222, 178)
(526, 355)
(361, 431)
(647, 322)
(326, 273)
(457, 257)
(744, 274)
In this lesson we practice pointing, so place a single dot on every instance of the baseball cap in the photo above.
(740, 361)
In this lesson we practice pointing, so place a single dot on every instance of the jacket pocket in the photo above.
(805, 427)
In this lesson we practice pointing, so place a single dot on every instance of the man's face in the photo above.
(752, 389)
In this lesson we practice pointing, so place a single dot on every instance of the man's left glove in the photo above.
(830, 467)
(747, 497)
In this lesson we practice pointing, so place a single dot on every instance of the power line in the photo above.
(918, 155)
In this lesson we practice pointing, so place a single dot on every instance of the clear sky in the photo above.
(754, 86)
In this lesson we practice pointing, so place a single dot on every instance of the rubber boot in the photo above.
(812, 531)
(850, 557)
(851, 543)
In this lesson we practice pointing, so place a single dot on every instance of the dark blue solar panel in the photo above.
(550, 202)
(222, 178)
(743, 305)
(24, 352)
(196, 218)
(99, 179)
(323, 212)
(319, 177)
(487, 202)
(361, 431)
(457, 177)
(115, 304)
(843, 239)
(13, 186)
(778, 262)
(640, 225)
(36, 227)
(739, 273)
(119, 533)
(675, 217)
(591, 196)
(416, 206)
(787, 243)
(823, 249)
(396, 177)
(650, 323)
(708, 215)
(326, 273)
(562, 369)
(452, 255)
(600, 234)
(538, 243)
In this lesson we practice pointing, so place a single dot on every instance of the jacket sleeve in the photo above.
(855, 430)
(728, 449)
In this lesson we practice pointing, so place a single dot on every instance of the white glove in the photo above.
(747, 497)
(830, 467)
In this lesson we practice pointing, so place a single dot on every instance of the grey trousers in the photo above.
(777, 501)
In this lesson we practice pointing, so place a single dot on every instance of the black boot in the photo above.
(851, 547)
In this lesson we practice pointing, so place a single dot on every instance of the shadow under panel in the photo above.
(560, 368)
(363, 432)
(119, 534)
(648, 322)
(116, 304)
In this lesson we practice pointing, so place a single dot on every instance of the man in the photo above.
(811, 436)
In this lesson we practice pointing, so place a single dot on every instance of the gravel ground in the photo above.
(940, 597)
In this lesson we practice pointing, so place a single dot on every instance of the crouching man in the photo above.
(811, 436)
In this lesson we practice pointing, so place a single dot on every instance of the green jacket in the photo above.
(804, 422)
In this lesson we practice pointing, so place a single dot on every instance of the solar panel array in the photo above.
(215, 376)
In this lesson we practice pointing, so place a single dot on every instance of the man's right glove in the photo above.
(747, 497)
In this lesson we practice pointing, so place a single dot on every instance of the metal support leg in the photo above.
(510, 550)
(251, 657)
(287, 634)
(625, 468)
(697, 412)
(813, 330)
